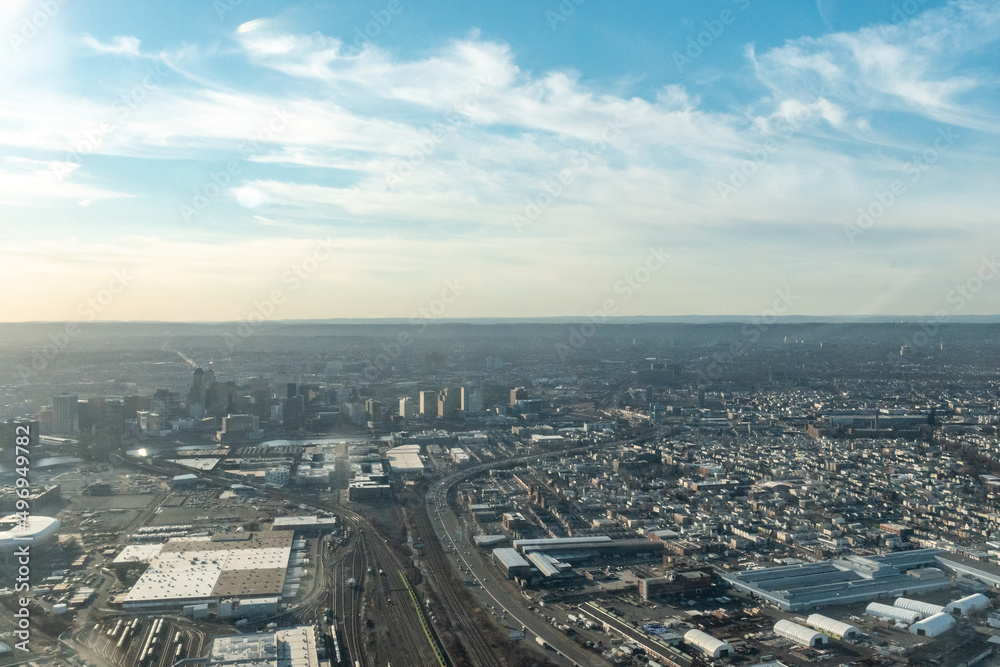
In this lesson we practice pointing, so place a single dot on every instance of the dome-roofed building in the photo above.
(833, 627)
(969, 604)
(932, 626)
(708, 644)
(879, 610)
(925, 609)
(799, 633)
(15, 533)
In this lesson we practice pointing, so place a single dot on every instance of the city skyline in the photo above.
(230, 160)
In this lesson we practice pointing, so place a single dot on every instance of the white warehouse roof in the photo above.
(933, 626)
(510, 558)
(832, 626)
(925, 608)
(405, 458)
(524, 545)
(546, 564)
(308, 521)
(799, 633)
(879, 610)
(291, 647)
(193, 570)
(969, 604)
(139, 553)
(707, 644)
(14, 532)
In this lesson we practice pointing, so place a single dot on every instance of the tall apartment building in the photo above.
(65, 414)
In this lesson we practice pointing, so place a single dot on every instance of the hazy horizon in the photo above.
(559, 319)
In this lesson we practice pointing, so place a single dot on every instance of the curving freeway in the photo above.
(442, 579)
(448, 529)
(374, 617)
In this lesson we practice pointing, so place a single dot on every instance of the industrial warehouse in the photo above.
(629, 544)
(555, 557)
(581, 548)
(707, 644)
(926, 619)
(843, 580)
(299, 646)
(834, 628)
(204, 570)
(799, 633)
(15, 531)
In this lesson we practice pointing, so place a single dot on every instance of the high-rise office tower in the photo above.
(65, 414)
(472, 399)
(449, 400)
(428, 403)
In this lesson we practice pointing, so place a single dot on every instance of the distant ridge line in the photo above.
(570, 319)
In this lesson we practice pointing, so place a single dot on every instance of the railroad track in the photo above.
(345, 601)
(514, 607)
(442, 578)
(399, 637)
(397, 616)
(511, 604)
(438, 650)
(95, 637)
(369, 598)
(351, 611)
(400, 618)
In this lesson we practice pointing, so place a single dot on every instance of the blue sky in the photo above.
(348, 159)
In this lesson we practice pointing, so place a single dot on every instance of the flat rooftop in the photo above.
(311, 521)
(292, 647)
(405, 458)
(510, 558)
(138, 553)
(839, 581)
(985, 570)
(198, 569)
(559, 542)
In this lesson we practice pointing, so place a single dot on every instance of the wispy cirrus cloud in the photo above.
(27, 182)
(913, 67)
(117, 46)
(824, 121)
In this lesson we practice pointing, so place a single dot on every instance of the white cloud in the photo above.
(473, 139)
(909, 67)
(117, 46)
(35, 183)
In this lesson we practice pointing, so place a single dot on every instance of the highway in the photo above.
(443, 580)
(375, 621)
(448, 530)
(446, 527)
(375, 550)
